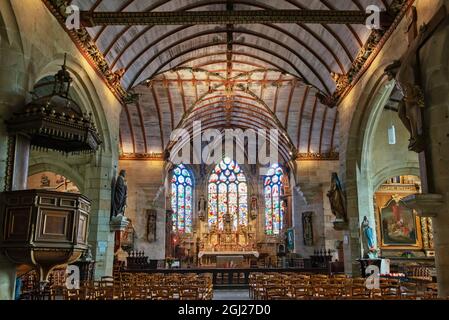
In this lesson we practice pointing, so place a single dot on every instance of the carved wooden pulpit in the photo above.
(43, 229)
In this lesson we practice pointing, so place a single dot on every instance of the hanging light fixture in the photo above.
(56, 122)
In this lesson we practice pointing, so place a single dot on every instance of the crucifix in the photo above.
(407, 73)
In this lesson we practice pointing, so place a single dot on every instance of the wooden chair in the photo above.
(409, 290)
(359, 292)
(301, 292)
(273, 292)
(189, 294)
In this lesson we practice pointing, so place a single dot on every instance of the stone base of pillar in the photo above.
(7, 279)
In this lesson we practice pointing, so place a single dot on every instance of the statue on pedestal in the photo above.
(202, 208)
(307, 227)
(227, 223)
(119, 195)
(151, 225)
(369, 245)
(254, 208)
(337, 199)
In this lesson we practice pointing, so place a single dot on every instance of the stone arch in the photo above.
(398, 170)
(42, 164)
(371, 171)
(356, 166)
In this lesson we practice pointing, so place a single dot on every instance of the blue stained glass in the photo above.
(274, 211)
(181, 200)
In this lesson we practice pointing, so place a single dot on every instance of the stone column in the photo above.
(98, 190)
(351, 236)
(13, 89)
(435, 80)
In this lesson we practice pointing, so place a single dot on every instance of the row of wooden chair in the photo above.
(277, 286)
(134, 286)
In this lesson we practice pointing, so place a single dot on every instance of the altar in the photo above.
(227, 259)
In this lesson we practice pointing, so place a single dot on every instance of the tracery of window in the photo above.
(274, 210)
(228, 192)
(181, 200)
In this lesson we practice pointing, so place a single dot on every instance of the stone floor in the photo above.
(231, 294)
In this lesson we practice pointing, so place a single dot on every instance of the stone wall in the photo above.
(310, 195)
(146, 191)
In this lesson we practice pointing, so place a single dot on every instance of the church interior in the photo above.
(199, 149)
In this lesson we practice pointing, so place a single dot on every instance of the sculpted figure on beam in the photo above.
(406, 72)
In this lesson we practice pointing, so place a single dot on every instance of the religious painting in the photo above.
(399, 226)
(151, 225)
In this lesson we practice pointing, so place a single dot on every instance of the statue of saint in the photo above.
(151, 225)
(337, 199)
(368, 239)
(307, 226)
(119, 195)
(202, 207)
(227, 222)
(253, 207)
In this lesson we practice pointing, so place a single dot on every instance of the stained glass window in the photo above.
(274, 211)
(228, 193)
(181, 200)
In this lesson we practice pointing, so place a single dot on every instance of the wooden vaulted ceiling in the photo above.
(246, 76)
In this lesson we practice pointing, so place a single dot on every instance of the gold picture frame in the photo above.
(398, 227)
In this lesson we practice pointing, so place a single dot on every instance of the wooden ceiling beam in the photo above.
(301, 111)
(91, 19)
(312, 122)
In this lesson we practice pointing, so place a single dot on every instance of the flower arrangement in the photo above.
(169, 261)
(407, 254)
(373, 253)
